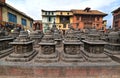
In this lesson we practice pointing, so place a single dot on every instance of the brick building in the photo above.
(116, 18)
(88, 18)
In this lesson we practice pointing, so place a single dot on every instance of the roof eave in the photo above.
(91, 14)
(9, 6)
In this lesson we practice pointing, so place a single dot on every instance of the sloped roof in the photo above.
(16, 10)
(116, 10)
(90, 12)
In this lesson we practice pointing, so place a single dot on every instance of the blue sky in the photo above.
(33, 7)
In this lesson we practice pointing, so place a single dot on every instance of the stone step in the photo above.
(22, 59)
(6, 52)
(110, 53)
(48, 56)
(23, 55)
(102, 55)
(47, 60)
(72, 58)
(96, 59)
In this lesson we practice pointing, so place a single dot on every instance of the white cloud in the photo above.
(33, 7)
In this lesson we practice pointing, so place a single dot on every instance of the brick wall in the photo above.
(60, 72)
(3, 1)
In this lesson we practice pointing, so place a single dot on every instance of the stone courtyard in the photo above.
(52, 55)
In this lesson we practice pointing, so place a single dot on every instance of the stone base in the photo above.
(21, 57)
(72, 58)
(109, 52)
(96, 57)
(48, 57)
(6, 52)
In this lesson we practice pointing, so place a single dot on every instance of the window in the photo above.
(48, 13)
(49, 19)
(98, 18)
(52, 13)
(68, 13)
(30, 23)
(61, 13)
(45, 13)
(97, 25)
(77, 17)
(23, 22)
(12, 18)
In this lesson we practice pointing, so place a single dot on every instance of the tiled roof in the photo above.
(90, 12)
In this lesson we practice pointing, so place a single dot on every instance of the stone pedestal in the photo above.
(72, 46)
(5, 47)
(94, 48)
(23, 49)
(72, 52)
(37, 36)
(112, 47)
(48, 52)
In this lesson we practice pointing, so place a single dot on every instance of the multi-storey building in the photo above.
(48, 18)
(10, 16)
(61, 17)
(88, 18)
(116, 18)
(81, 19)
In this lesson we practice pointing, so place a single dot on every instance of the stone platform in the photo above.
(59, 70)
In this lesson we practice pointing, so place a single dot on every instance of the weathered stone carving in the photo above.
(23, 48)
(5, 47)
(71, 45)
(113, 43)
(94, 48)
(48, 53)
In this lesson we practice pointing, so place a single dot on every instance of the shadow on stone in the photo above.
(117, 59)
